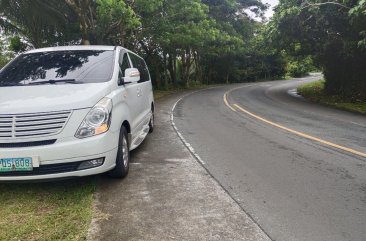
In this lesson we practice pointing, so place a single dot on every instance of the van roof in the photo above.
(76, 47)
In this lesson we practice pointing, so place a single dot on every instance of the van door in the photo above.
(145, 87)
(140, 105)
(133, 98)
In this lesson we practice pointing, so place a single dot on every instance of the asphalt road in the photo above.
(295, 188)
(168, 195)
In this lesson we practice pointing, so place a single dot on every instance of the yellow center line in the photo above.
(228, 105)
(298, 133)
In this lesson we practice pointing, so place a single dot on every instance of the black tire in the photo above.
(151, 123)
(122, 160)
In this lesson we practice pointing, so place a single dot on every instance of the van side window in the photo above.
(124, 64)
(140, 64)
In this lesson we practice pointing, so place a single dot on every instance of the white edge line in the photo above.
(187, 144)
(199, 159)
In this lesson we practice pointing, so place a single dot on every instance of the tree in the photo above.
(172, 35)
(327, 32)
(17, 45)
(85, 10)
(358, 21)
(41, 23)
(4, 59)
(183, 41)
(116, 22)
(241, 52)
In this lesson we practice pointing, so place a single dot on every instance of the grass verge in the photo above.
(314, 91)
(46, 211)
(161, 93)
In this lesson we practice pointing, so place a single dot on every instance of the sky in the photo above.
(273, 3)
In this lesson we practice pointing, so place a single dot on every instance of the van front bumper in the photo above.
(63, 158)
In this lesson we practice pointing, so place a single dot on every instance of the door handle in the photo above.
(138, 92)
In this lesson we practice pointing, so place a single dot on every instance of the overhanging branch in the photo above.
(308, 5)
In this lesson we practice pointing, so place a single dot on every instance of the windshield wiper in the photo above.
(52, 81)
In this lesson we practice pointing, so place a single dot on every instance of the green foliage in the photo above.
(299, 67)
(263, 60)
(4, 59)
(184, 42)
(315, 91)
(41, 23)
(332, 33)
(17, 45)
(237, 53)
(296, 69)
(116, 21)
(358, 21)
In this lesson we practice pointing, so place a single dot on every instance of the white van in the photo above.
(72, 112)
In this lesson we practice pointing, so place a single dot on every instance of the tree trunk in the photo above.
(199, 74)
(186, 66)
(165, 72)
(85, 13)
(172, 68)
(35, 32)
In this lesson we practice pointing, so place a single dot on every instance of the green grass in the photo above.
(314, 91)
(161, 93)
(46, 211)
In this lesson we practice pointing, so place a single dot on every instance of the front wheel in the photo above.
(151, 123)
(123, 156)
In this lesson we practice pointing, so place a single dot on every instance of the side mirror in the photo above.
(132, 75)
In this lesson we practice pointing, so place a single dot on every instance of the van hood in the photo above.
(48, 98)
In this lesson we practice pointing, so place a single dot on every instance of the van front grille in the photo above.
(45, 170)
(27, 144)
(32, 125)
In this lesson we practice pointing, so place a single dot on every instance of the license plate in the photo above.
(16, 164)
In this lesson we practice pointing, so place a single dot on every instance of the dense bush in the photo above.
(299, 67)
(344, 70)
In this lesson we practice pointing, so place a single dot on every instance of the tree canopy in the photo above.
(183, 41)
(333, 33)
(208, 41)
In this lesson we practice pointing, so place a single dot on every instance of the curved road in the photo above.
(294, 187)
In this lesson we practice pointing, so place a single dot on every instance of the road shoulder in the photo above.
(168, 195)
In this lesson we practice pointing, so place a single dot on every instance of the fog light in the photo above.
(91, 164)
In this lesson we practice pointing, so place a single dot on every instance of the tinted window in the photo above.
(139, 63)
(124, 64)
(85, 66)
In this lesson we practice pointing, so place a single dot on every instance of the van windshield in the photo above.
(59, 67)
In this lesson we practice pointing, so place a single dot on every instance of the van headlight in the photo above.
(97, 121)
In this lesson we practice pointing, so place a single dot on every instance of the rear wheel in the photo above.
(123, 156)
